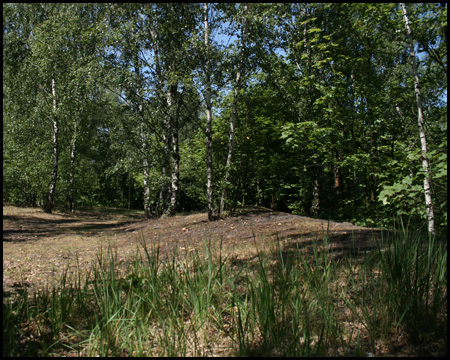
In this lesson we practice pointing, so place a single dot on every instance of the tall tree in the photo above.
(317, 118)
(48, 206)
(179, 27)
(209, 165)
(242, 21)
(420, 122)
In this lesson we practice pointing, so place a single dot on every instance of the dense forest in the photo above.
(337, 111)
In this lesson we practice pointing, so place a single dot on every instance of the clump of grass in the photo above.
(289, 302)
(415, 274)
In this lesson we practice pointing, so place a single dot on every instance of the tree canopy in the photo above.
(307, 108)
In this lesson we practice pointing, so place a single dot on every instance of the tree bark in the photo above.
(72, 168)
(237, 83)
(164, 192)
(145, 170)
(144, 136)
(315, 204)
(423, 140)
(173, 119)
(48, 206)
(209, 163)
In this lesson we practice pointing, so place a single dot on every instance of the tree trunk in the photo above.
(237, 83)
(164, 194)
(209, 163)
(173, 119)
(315, 204)
(72, 169)
(336, 173)
(423, 141)
(48, 206)
(230, 144)
(145, 170)
(144, 136)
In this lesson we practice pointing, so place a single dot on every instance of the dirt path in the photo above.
(37, 246)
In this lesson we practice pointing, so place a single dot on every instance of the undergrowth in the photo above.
(204, 302)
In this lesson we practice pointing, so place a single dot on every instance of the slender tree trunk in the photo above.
(315, 204)
(237, 83)
(230, 144)
(72, 169)
(164, 194)
(48, 206)
(173, 119)
(423, 141)
(209, 164)
(145, 170)
(144, 137)
(337, 182)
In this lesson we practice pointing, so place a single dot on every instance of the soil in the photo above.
(38, 246)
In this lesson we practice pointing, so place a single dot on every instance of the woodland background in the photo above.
(305, 108)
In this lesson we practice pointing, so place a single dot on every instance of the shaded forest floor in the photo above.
(37, 247)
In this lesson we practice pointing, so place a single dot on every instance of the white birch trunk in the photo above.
(162, 205)
(145, 170)
(52, 186)
(173, 121)
(209, 170)
(144, 136)
(423, 141)
(72, 168)
(233, 116)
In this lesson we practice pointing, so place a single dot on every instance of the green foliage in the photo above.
(325, 101)
(193, 173)
(402, 192)
(405, 194)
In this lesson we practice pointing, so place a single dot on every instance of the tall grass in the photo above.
(415, 274)
(288, 302)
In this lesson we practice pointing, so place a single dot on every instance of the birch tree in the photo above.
(174, 29)
(209, 165)
(236, 87)
(420, 123)
(53, 58)
(48, 206)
